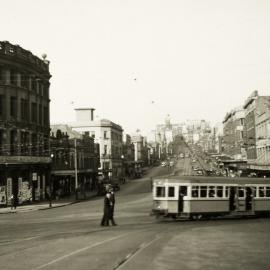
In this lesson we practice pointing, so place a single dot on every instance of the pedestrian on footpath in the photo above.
(107, 208)
(13, 202)
(112, 199)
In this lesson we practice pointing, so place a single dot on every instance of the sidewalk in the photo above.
(45, 204)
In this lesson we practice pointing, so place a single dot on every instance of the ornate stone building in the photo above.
(24, 124)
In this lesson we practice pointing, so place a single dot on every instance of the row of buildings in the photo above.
(38, 159)
(246, 135)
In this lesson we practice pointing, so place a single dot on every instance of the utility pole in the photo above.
(75, 167)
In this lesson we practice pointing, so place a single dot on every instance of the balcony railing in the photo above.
(24, 159)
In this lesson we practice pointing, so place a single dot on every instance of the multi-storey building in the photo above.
(234, 135)
(250, 111)
(75, 161)
(128, 156)
(24, 124)
(109, 137)
(258, 131)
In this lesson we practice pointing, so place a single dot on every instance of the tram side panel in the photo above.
(207, 206)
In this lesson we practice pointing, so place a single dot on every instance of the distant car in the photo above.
(163, 164)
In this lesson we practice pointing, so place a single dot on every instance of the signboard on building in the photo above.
(9, 190)
(34, 176)
(2, 195)
(25, 192)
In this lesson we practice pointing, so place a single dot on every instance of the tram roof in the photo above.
(214, 180)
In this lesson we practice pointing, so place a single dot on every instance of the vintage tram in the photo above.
(196, 197)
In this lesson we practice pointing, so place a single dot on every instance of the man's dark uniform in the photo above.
(112, 198)
(107, 210)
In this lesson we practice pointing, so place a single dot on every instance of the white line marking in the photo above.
(78, 251)
(18, 240)
(142, 247)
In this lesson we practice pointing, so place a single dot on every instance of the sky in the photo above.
(135, 61)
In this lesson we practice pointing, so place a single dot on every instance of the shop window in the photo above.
(171, 192)
(219, 191)
(195, 191)
(160, 191)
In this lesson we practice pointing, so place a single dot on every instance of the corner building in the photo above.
(24, 124)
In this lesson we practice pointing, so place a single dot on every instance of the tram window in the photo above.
(183, 190)
(203, 192)
(267, 193)
(219, 191)
(254, 191)
(195, 191)
(227, 192)
(171, 192)
(211, 192)
(160, 191)
(241, 192)
(261, 192)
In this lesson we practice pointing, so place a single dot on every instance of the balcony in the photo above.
(24, 160)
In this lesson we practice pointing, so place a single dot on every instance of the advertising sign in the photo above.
(2, 195)
(9, 189)
(25, 194)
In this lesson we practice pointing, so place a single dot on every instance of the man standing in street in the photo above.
(107, 208)
(112, 198)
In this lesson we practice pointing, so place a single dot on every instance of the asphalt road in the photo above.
(71, 238)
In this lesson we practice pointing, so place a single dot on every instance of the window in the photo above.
(13, 107)
(34, 112)
(160, 191)
(241, 192)
(24, 109)
(219, 191)
(195, 191)
(261, 192)
(2, 99)
(171, 192)
(93, 134)
(183, 190)
(212, 192)
(267, 192)
(40, 114)
(24, 81)
(13, 79)
(45, 116)
(203, 192)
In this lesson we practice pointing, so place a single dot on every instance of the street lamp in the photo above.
(51, 183)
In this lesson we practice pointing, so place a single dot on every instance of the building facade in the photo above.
(108, 135)
(234, 134)
(75, 162)
(24, 124)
